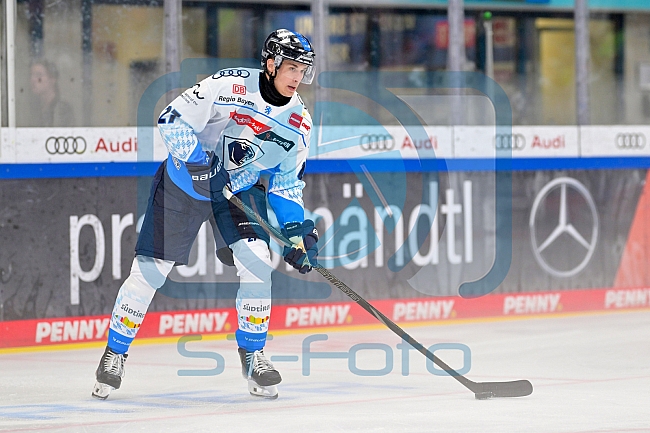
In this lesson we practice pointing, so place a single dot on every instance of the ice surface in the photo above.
(591, 373)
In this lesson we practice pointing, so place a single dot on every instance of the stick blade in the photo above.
(517, 388)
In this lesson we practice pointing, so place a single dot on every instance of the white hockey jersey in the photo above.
(225, 113)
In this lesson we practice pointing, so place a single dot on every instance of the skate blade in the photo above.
(270, 392)
(102, 391)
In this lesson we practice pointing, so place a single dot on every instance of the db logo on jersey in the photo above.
(238, 89)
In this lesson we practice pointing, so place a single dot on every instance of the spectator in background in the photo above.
(48, 109)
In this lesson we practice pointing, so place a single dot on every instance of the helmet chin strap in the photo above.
(271, 77)
(277, 61)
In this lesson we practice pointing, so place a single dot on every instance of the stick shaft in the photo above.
(352, 294)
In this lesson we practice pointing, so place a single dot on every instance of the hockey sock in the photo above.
(253, 303)
(133, 299)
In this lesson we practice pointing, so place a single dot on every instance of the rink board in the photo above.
(52, 332)
(67, 238)
(67, 244)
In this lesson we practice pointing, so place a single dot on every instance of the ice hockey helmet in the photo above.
(285, 44)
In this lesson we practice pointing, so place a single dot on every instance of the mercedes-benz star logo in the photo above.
(559, 252)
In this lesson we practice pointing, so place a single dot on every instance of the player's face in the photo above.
(288, 77)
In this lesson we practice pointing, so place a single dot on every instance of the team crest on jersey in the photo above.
(275, 138)
(241, 151)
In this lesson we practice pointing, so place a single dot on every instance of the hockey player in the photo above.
(228, 129)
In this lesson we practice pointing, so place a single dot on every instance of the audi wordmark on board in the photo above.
(377, 142)
(630, 140)
(65, 145)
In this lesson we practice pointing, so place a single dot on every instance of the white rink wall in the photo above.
(132, 144)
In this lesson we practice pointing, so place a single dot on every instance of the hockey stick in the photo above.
(481, 390)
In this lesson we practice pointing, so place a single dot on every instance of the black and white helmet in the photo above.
(285, 44)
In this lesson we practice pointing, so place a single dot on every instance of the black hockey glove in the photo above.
(225, 256)
(209, 180)
(301, 235)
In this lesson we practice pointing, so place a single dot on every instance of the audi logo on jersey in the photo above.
(65, 145)
(630, 140)
(231, 73)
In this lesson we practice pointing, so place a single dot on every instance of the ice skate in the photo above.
(262, 377)
(109, 373)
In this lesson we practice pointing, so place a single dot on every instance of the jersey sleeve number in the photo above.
(168, 116)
